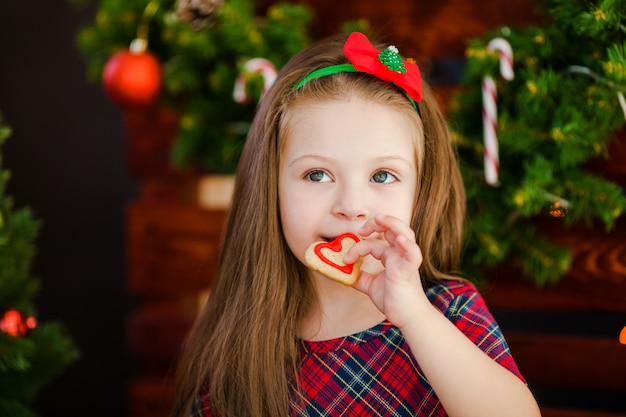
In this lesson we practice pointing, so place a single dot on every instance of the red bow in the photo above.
(366, 58)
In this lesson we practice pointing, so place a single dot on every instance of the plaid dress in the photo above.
(373, 373)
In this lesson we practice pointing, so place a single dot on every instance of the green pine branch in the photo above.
(562, 109)
(27, 362)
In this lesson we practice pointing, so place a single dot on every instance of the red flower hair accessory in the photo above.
(386, 65)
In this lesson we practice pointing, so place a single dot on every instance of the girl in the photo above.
(347, 141)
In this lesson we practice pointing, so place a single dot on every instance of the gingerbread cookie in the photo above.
(327, 258)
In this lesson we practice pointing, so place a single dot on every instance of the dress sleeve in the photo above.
(463, 305)
(200, 407)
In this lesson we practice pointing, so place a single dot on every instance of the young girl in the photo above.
(347, 141)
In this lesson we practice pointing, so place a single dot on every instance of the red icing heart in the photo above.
(335, 246)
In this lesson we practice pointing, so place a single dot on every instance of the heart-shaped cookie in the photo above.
(327, 258)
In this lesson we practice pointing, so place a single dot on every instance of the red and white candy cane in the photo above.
(254, 66)
(490, 109)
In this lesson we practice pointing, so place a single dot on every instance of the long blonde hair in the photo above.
(242, 351)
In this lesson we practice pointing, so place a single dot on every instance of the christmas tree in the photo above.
(562, 107)
(31, 353)
(204, 48)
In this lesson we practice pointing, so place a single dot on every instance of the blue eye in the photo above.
(318, 176)
(382, 177)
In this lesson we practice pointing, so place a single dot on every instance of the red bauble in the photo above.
(14, 323)
(132, 79)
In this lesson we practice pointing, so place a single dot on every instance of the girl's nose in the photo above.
(350, 204)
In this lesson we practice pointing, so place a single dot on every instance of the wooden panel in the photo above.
(150, 397)
(155, 339)
(171, 247)
(173, 189)
(149, 135)
(554, 412)
(570, 361)
(596, 281)
(421, 28)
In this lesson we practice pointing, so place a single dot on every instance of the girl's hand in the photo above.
(397, 290)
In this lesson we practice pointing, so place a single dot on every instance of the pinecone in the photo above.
(198, 13)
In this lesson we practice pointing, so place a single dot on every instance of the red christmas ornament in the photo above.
(14, 323)
(132, 78)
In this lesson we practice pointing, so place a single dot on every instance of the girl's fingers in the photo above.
(371, 226)
(390, 226)
(374, 247)
(398, 237)
(412, 251)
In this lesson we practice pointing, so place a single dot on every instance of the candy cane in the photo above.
(490, 120)
(254, 66)
(490, 109)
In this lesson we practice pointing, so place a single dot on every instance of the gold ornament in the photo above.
(557, 209)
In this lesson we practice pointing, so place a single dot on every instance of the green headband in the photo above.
(386, 65)
(336, 69)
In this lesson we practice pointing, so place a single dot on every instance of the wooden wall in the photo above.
(420, 28)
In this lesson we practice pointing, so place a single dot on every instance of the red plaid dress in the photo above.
(373, 373)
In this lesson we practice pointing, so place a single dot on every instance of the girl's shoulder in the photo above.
(465, 307)
(451, 289)
(456, 297)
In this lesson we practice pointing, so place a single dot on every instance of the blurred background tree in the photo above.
(31, 354)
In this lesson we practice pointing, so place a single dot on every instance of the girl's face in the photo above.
(342, 163)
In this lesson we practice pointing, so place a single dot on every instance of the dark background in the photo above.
(67, 163)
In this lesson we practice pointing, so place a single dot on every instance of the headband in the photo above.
(386, 65)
